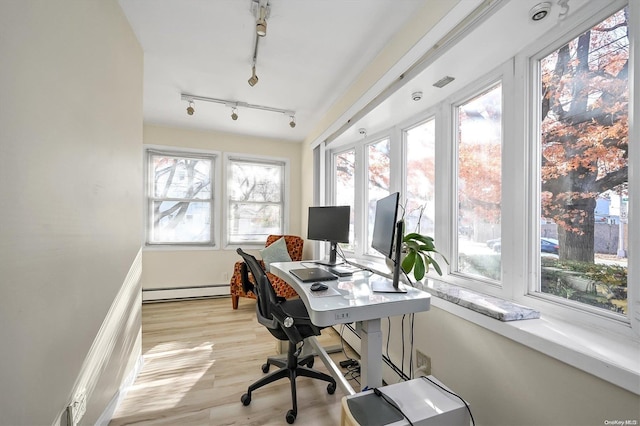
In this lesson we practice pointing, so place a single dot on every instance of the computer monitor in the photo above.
(387, 239)
(329, 223)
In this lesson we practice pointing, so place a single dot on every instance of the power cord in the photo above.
(473, 422)
(352, 365)
(392, 403)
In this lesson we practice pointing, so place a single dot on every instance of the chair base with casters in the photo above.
(287, 320)
(294, 368)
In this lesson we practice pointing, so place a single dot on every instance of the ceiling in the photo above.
(312, 53)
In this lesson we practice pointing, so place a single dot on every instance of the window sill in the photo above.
(607, 356)
(493, 307)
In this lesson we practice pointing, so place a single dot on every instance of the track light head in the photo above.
(253, 80)
(234, 114)
(190, 109)
(292, 123)
(261, 23)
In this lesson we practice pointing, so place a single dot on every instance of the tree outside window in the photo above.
(584, 166)
(378, 174)
(179, 199)
(480, 184)
(345, 169)
(420, 168)
(255, 192)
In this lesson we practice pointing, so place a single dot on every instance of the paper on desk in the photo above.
(324, 293)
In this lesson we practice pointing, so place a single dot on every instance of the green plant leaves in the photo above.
(419, 248)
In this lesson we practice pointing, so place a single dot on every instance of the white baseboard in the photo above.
(176, 293)
(110, 409)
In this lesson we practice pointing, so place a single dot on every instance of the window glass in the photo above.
(255, 200)
(584, 161)
(378, 182)
(180, 199)
(479, 184)
(420, 178)
(345, 169)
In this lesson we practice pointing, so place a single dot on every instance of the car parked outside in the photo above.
(547, 245)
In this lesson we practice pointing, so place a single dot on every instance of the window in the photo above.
(420, 142)
(378, 171)
(179, 198)
(479, 182)
(584, 181)
(344, 172)
(527, 169)
(534, 161)
(255, 199)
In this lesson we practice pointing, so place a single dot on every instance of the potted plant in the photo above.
(419, 251)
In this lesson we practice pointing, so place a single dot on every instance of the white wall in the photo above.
(70, 167)
(507, 383)
(165, 268)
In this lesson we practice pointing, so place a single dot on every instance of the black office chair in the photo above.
(286, 320)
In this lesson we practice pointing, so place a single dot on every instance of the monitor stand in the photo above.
(332, 256)
(385, 285)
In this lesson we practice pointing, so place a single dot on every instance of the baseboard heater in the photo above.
(181, 293)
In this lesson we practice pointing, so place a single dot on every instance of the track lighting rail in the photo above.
(187, 97)
(235, 105)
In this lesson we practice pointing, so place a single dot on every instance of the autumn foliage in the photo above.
(584, 130)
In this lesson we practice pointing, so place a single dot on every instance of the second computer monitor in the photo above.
(387, 239)
(329, 223)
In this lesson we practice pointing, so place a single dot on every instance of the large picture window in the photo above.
(479, 183)
(378, 174)
(255, 199)
(180, 199)
(584, 181)
(526, 178)
(420, 167)
(345, 181)
(532, 162)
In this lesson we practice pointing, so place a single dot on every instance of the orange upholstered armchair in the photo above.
(294, 247)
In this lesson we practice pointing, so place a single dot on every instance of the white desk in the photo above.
(350, 299)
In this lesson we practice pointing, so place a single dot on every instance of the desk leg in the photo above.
(371, 347)
(341, 381)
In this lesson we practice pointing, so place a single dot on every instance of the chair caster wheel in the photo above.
(331, 388)
(310, 363)
(291, 417)
(246, 399)
(265, 368)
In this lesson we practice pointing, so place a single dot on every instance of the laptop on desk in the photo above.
(312, 274)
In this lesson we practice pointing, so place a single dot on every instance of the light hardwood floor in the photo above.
(200, 356)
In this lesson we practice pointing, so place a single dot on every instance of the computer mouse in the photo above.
(318, 287)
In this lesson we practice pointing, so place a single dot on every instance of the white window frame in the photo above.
(215, 191)
(228, 158)
(503, 75)
(526, 69)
